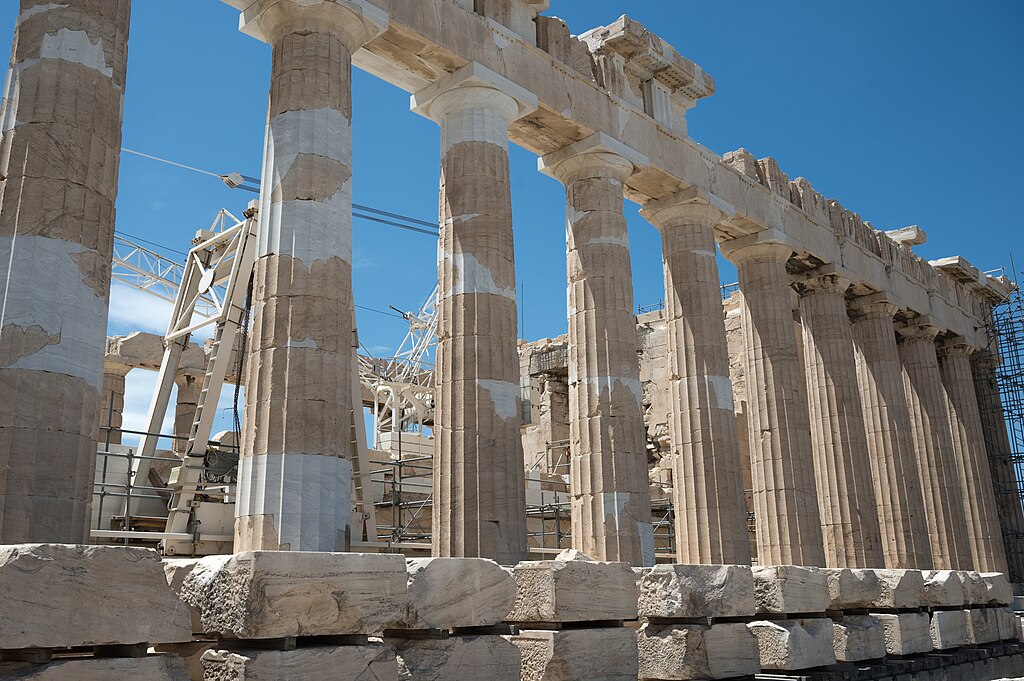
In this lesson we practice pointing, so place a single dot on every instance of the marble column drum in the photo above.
(846, 495)
(59, 157)
(295, 471)
(609, 489)
(983, 533)
(933, 448)
(711, 521)
(883, 399)
(782, 463)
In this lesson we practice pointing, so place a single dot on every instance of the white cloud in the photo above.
(134, 310)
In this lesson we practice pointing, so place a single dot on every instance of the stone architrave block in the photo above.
(859, 637)
(788, 589)
(61, 595)
(982, 625)
(949, 629)
(692, 651)
(975, 588)
(690, 591)
(900, 589)
(150, 668)
(943, 588)
(906, 633)
(374, 662)
(573, 591)
(273, 594)
(449, 593)
(791, 645)
(1000, 591)
(851, 589)
(609, 654)
(460, 658)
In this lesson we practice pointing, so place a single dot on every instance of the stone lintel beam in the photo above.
(355, 22)
(142, 350)
(908, 236)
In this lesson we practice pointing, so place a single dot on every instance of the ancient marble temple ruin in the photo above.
(819, 436)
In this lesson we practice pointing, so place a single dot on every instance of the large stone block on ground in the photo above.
(900, 589)
(58, 595)
(690, 591)
(943, 588)
(975, 588)
(1007, 624)
(608, 654)
(982, 625)
(949, 629)
(374, 662)
(999, 590)
(851, 589)
(791, 645)
(573, 591)
(693, 651)
(175, 571)
(858, 637)
(273, 594)
(448, 593)
(788, 589)
(460, 658)
(906, 633)
(151, 668)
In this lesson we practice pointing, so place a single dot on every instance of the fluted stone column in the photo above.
(983, 533)
(112, 403)
(59, 157)
(189, 388)
(782, 463)
(846, 495)
(295, 472)
(479, 503)
(894, 469)
(611, 504)
(711, 518)
(933, 447)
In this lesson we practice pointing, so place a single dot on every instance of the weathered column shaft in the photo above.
(189, 389)
(112, 404)
(295, 473)
(933, 448)
(846, 495)
(983, 533)
(711, 519)
(782, 463)
(611, 504)
(890, 441)
(59, 157)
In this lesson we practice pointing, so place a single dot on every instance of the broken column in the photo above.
(846, 495)
(983, 532)
(479, 506)
(933, 446)
(883, 399)
(189, 388)
(711, 521)
(295, 472)
(59, 160)
(782, 463)
(112, 404)
(611, 507)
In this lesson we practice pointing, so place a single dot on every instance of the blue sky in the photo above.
(907, 112)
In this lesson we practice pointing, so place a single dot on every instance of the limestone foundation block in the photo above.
(900, 589)
(1000, 591)
(372, 662)
(858, 637)
(906, 633)
(789, 645)
(608, 654)
(460, 658)
(788, 589)
(574, 591)
(852, 588)
(693, 651)
(272, 594)
(949, 629)
(982, 625)
(62, 595)
(943, 588)
(446, 593)
(685, 591)
(151, 668)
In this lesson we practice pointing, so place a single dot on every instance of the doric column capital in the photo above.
(874, 306)
(956, 346)
(474, 85)
(355, 22)
(770, 244)
(598, 155)
(988, 359)
(115, 367)
(688, 205)
(918, 329)
(821, 280)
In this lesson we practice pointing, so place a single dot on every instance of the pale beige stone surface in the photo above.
(852, 588)
(999, 589)
(573, 591)
(906, 633)
(859, 637)
(948, 629)
(446, 593)
(608, 654)
(175, 572)
(794, 644)
(268, 594)
(982, 626)
(900, 589)
(60, 595)
(975, 588)
(692, 651)
(788, 589)
(682, 591)
(151, 668)
(460, 658)
(374, 662)
(943, 588)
